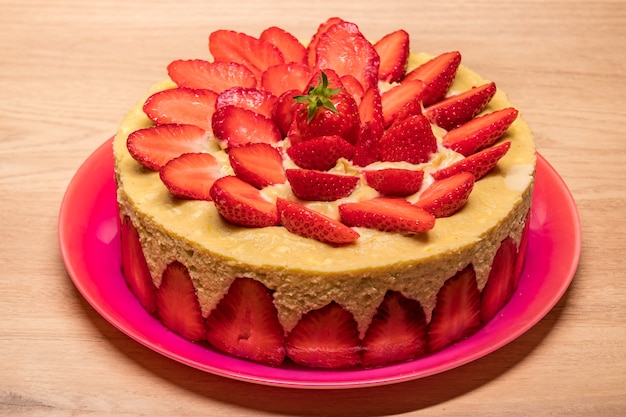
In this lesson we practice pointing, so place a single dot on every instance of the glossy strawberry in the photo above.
(134, 266)
(412, 107)
(481, 132)
(313, 185)
(438, 74)
(455, 110)
(502, 281)
(333, 80)
(366, 148)
(177, 303)
(253, 99)
(311, 48)
(393, 50)
(446, 196)
(321, 153)
(387, 214)
(245, 323)
(191, 175)
(325, 338)
(371, 112)
(353, 87)
(325, 111)
(288, 45)
(309, 223)
(182, 106)
(256, 54)
(242, 204)
(214, 76)
(396, 98)
(409, 140)
(397, 333)
(397, 182)
(235, 126)
(283, 112)
(292, 76)
(457, 311)
(258, 164)
(344, 49)
(478, 164)
(155, 146)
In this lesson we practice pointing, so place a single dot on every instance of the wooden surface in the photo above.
(70, 69)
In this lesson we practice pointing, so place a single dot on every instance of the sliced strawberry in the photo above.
(237, 126)
(395, 99)
(457, 312)
(333, 80)
(479, 164)
(191, 175)
(242, 204)
(292, 76)
(397, 333)
(154, 146)
(397, 182)
(313, 185)
(325, 338)
(283, 111)
(410, 140)
(412, 107)
(523, 247)
(291, 48)
(177, 304)
(256, 54)
(438, 74)
(309, 223)
(393, 50)
(323, 27)
(366, 148)
(371, 111)
(455, 110)
(245, 323)
(214, 76)
(480, 132)
(344, 48)
(445, 197)
(258, 164)
(293, 134)
(134, 266)
(387, 214)
(321, 153)
(502, 281)
(181, 106)
(253, 99)
(352, 87)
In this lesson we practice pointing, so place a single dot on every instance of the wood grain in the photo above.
(70, 69)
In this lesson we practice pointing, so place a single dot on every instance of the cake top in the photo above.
(329, 140)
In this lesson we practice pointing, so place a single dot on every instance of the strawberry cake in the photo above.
(342, 204)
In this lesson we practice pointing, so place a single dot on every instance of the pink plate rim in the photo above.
(88, 230)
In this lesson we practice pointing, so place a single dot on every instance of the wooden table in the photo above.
(70, 69)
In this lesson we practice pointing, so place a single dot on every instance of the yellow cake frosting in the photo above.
(305, 274)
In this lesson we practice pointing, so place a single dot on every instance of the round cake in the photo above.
(339, 204)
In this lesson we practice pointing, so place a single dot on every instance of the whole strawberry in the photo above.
(325, 111)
